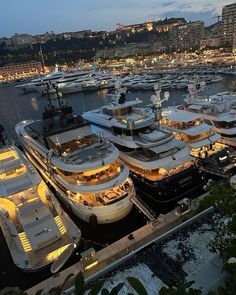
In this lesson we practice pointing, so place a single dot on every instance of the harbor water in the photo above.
(16, 106)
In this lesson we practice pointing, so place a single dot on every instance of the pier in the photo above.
(111, 256)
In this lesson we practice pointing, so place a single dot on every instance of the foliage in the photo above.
(223, 197)
(180, 287)
(137, 285)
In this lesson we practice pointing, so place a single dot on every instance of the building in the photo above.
(20, 70)
(228, 24)
(22, 39)
(210, 42)
(214, 30)
(165, 25)
(187, 36)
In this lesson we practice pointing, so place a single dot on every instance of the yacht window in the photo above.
(9, 172)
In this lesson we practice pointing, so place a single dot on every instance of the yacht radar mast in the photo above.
(156, 98)
(193, 90)
(157, 101)
(120, 93)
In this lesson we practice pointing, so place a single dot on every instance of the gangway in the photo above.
(143, 207)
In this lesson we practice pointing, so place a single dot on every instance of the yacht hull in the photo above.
(185, 184)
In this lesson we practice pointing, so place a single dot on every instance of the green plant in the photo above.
(180, 287)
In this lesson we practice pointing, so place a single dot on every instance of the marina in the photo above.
(29, 106)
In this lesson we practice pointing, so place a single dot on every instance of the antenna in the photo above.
(218, 17)
(156, 98)
(42, 58)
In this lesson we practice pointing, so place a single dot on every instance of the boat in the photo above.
(160, 165)
(82, 166)
(217, 110)
(36, 229)
(203, 142)
(55, 78)
(39, 84)
(86, 83)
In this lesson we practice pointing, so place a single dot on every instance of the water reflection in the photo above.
(34, 103)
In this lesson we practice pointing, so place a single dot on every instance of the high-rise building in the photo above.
(187, 36)
(228, 23)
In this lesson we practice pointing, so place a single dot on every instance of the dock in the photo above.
(111, 256)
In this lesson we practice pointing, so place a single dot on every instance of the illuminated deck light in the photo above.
(25, 242)
(60, 225)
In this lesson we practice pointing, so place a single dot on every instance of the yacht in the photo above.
(160, 165)
(202, 140)
(86, 83)
(83, 167)
(217, 110)
(56, 78)
(41, 82)
(37, 230)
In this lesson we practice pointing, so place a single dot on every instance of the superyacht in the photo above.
(55, 78)
(203, 142)
(37, 230)
(83, 167)
(160, 165)
(217, 110)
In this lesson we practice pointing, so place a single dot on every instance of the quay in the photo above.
(111, 256)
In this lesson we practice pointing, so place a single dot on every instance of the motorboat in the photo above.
(217, 110)
(81, 166)
(203, 142)
(37, 230)
(56, 78)
(160, 165)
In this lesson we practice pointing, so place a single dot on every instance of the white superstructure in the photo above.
(82, 167)
(217, 110)
(36, 228)
(200, 137)
(203, 142)
(55, 78)
(154, 156)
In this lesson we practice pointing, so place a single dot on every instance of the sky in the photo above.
(39, 16)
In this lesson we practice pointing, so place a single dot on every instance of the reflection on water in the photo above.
(34, 103)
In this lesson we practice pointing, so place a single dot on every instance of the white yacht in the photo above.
(86, 83)
(39, 84)
(160, 165)
(55, 78)
(37, 230)
(217, 110)
(83, 167)
(202, 140)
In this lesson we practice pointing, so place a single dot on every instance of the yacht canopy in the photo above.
(180, 116)
(70, 135)
(174, 143)
(195, 130)
(206, 141)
